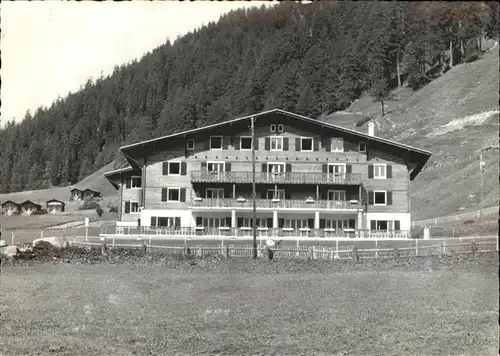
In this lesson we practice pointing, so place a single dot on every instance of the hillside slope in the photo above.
(454, 117)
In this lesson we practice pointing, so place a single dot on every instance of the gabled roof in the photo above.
(423, 154)
(76, 189)
(113, 176)
(55, 200)
(28, 202)
(10, 201)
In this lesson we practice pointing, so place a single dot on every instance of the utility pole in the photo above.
(481, 168)
(254, 227)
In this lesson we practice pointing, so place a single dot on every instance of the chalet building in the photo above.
(312, 179)
(10, 208)
(78, 194)
(55, 206)
(28, 207)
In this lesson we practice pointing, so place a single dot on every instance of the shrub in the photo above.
(113, 209)
(468, 222)
(99, 210)
(88, 205)
(39, 212)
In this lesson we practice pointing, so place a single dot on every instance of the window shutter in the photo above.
(165, 168)
(225, 142)
(228, 221)
(199, 221)
(325, 168)
(297, 144)
(373, 224)
(390, 225)
(322, 223)
(310, 223)
(352, 224)
(327, 144)
(389, 171)
(153, 221)
(164, 194)
(348, 168)
(237, 143)
(183, 168)
(267, 144)
(177, 221)
(281, 223)
(397, 225)
(316, 144)
(288, 167)
(203, 166)
(207, 144)
(370, 171)
(269, 222)
(228, 167)
(370, 197)
(285, 143)
(389, 198)
(256, 142)
(183, 195)
(127, 207)
(264, 167)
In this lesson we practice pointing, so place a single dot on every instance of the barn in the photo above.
(10, 208)
(28, 207)
(55, 206)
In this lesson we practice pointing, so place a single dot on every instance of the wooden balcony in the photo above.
(276, 178)
(274, 204)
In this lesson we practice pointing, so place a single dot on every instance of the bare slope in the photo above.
(454, 117)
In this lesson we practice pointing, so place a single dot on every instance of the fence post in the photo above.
(310, 252)
(416, 247)
(12, 238)
(331, 253)
(337, 248)
(298, 248)
(444, 247)
(199, 251)
(376, 248)
(41, 234)
(103, 247)
(143, 247)
(474, 248)
(227, 251)
(222, 247)
(355, 254)
(396, 253)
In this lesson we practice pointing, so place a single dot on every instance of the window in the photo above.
(173, 194)
(214, 193)
(215, 167)
(385, 225)
(336, 168)
(174, 168)
(275, 170)
(168, 221)
(190, 144)
(276, 194)
(280, 128)
(337, 224)
(245, 143)
(134, 207)
(362, 147)
(133, 182)
(276, 143)
(217, 222)
(273, 128)
(337, 144)
(296, 223)
(380, 197)
(306, 144)
(379, 171)
(216, 142)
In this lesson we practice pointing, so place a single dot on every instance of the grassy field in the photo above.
(431, 307)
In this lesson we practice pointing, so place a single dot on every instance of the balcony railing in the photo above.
(275, 204)
(246, 232)
(276, 178)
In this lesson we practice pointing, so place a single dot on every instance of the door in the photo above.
(215, 169)
(276, 194)
(336, 171)
(336, 199)
(276, 171)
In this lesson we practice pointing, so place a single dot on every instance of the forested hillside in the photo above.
(311, 59)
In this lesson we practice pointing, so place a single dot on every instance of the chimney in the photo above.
(371, 129)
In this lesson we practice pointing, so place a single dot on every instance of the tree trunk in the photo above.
(451, 54)
(462, 51)
(398, 70)
(383, 111)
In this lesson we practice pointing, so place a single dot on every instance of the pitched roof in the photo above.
(9, 201)
(423, 153)
(26, 202)
(55, 200)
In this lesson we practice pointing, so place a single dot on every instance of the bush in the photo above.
(99, 210)
(88, 205)
(113, 209)
(39, 212)
(466, 222)
(472, 58)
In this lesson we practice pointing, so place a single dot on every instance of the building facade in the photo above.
(310, 176)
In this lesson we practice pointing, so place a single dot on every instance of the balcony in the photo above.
(276, 178)
(245, 233)
(272, 204)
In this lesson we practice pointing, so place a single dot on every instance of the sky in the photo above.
(51, 48)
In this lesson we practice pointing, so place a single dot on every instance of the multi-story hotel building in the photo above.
(311, 178)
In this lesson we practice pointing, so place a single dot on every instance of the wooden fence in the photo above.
(311, 252)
